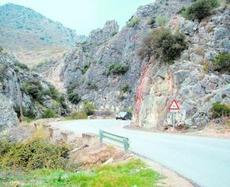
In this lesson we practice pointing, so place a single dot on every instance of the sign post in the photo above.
(174, 108)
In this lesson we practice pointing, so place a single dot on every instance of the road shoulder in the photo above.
(169, 177)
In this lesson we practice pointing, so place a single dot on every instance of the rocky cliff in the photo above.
(106, 68)
(8, 117)
(24, 92)
(188, 80)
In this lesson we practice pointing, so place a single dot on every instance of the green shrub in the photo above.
(220, 110)
(200, 9)
(133, 22)
(163, 44)
(74, 98)
(77, 115)
(35, 154)
(28, 113)
(62, 101)
(125, 88)
(22, 66)
(221, 63)
(85, 69)
(114, 33)
(1, 49)
(53, 93)
(89, 108)
(48, 113)
(161, 20)
(34, 89)
(118, 69)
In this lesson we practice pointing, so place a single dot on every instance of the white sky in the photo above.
(83, 15)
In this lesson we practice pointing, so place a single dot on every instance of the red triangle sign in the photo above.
(174, 106)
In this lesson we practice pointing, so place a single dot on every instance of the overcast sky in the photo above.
(83, 15)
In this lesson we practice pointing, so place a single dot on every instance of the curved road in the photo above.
(205, 161)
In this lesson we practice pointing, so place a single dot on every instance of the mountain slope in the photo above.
(25, 93)
(108, 71)
(31, 36)
(106, 68)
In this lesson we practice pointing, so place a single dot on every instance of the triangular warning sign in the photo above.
(174, 106)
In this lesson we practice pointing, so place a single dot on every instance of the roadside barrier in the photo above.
(114, 137)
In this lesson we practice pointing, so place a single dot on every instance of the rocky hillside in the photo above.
(24, 92)
(106, 68)
(177, 49)
(199, 78)
(116, 71)
(31, 36)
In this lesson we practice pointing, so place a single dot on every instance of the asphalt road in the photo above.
(205, 161)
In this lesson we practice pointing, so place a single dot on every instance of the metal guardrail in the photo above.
(116, 138)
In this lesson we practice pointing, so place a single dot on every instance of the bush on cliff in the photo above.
(133, 22)
(161, 20)
(163, 44)
(118, 69)
(22, 66)
(74, 98)
(220, 110)
(221, 63)
(34, 89)
(200, 9)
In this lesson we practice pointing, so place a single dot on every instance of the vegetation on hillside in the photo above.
(39, 94)
(161, 21)
(221, 63)
(199, 9)
(73, 97)
(220, 110)
(133, 22)
(49, 113)
(22, 66)
(117, 69)
(126, 89)
(89, 108)
(163, 44)
(34, 89)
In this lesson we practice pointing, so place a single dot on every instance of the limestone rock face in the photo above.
(186, 80)
(149, 87)
(100, 36)
(86, 68)
(26, 89)
(8, 117)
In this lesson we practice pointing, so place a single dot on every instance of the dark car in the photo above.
(124, 116)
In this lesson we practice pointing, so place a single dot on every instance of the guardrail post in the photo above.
(101, 136)
(126, 144)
